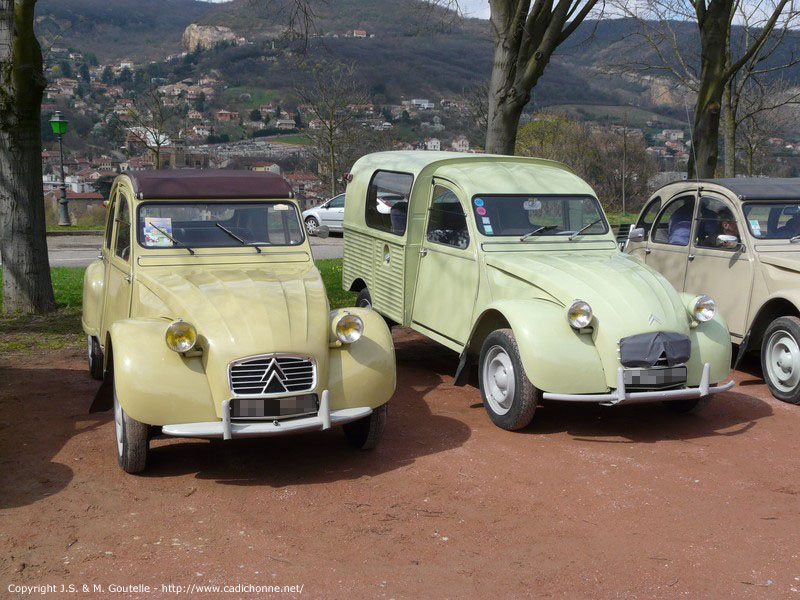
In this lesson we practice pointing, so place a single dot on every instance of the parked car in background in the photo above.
(206, 317)
(510, 262)
(329, 213)
(737, 240)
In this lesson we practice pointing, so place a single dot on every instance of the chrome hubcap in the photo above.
(311, 226)
(783, 361)
(498, 380)
(118, 424)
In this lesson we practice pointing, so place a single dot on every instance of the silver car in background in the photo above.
(330, 213)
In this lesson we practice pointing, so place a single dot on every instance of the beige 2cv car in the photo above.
(206, 317)
(510, 262)
(737, 240)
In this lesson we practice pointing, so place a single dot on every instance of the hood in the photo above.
(246, 310)
(626, 296)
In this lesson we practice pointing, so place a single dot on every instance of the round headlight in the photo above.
(579, 314)
(703, 309)
(181, 336)
(349, 328)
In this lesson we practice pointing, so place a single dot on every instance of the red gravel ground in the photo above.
(588, 502)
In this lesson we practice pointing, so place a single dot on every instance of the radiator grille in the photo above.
(272, 375)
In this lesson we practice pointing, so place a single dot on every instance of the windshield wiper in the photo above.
(795, 239)
(236, 237)
(584, 228)
(537, 230)
(172, 239)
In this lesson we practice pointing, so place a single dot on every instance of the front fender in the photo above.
(711, 343)
(154, 384)
(556, 358)
(362, 373)
(93, 282)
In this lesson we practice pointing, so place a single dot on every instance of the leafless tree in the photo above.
(27, 286)
(333, 94)
(719, 62)
(153, 123)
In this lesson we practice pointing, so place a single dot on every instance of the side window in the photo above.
(337, 202)
(447, 223)
(387, 201)
(122, 245)
(112, 207)
(648, 217)
(715, 219)
(674, 224)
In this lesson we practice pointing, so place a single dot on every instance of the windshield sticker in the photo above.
(486, 221)
(152, 235)
(755, 226)
(487, 229)
(532, 204)
(480, 210)
(281, 207)
(478, 201)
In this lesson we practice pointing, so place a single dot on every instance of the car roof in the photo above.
(761, 188)
(206, 184)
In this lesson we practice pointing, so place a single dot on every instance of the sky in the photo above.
(472, 8)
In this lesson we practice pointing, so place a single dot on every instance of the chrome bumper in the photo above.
(225, 429)
(620, 396)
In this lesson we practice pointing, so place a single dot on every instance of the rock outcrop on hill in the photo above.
(207, 36)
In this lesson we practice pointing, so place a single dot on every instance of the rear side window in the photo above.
(674, 225)
(387, 201)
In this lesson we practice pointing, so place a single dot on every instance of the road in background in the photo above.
(80, 250)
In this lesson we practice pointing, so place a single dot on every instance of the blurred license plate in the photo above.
(261, 408)
(655, 377)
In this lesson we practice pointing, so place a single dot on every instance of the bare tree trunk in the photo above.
(729, 136)
(27, 286)
(505, 103)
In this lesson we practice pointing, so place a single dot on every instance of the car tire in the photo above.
(364, 300)
(365, 433)
(132, 439)
(95, 358)
(780, 359)
(508, 395)
(312, 225)
(685, 407)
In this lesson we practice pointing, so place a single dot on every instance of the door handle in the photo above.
(100, 256)
(691, 256)
(424, 252)
(128, 278)
(648, 250)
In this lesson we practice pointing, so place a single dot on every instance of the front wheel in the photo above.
(365, 433)
(780, 359)
(364, 300)
(133, 439)
(312, 225)
(508, 395)
(95, 358)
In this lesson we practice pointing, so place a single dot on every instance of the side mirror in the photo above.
(322, 232)
(727, 241)
(636, 235)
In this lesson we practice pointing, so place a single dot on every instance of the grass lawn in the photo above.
(75, 227)
(62, 328)
(288, 139)
(616, 218)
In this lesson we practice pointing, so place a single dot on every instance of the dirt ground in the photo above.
(588, 502)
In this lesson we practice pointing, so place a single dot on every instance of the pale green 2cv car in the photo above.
(510, 262)
(206, 317)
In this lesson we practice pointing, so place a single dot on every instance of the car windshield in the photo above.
(520, 215)
(218, 224)
(773, 220)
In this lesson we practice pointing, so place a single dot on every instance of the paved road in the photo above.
(80, 250)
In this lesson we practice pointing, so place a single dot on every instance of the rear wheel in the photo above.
(312, 225)
(365, 433)
(508, 395)
(780, 359)
(95, 358)
(133, 439)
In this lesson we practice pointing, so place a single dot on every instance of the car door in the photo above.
(333, 215)
(725, 274)
(645, 222)
(447, 279)
(119, 270)
(667, 248)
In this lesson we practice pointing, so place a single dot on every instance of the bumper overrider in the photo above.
(622, 396)
(227, 429)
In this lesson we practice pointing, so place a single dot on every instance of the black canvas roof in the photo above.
(207, 184)
(758, 188)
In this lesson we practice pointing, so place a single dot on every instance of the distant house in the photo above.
(433, 144)
(194, 115)
(228, 115)
(285, 124)
(359, 33)
(673, 135)
(316, 124)
(460, 144)
(202, 130)
(265, 166)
